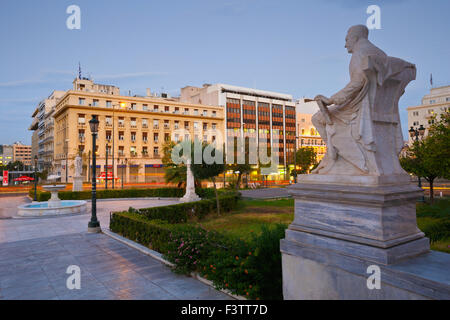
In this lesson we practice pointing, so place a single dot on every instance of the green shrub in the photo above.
(436, 231)
(122, 193)
(251, 269)
(182, 212)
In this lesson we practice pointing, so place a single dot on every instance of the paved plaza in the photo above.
(35, 255)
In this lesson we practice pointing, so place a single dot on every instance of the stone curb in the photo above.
(158, 256)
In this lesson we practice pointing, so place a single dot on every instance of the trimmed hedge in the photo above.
(125, 193)
(182, 212)
(251, 269)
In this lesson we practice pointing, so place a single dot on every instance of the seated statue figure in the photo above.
(360, 124)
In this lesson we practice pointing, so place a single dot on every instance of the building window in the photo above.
(121, 136)
(177, 110)
(145, 107)
(108, 121)
(186, 111)
(214, 113)
(133, 136)
(81, 101)
(108, 104)
(166, 137)
(144, 151)
(133, 123)
(196, 112)
(108, 135)
(205, 113)
(156, 151)
(177, 124)
(121, 122)
(195, 125)
(186, 125)
(144, 123)
(155, 124)
(155, 137)
(205, 126)
(166, 124)
(95, 103)
(214, 126)
(81, 119)
(144, 137)
(121, 151)
(133, 151)
(133, 106)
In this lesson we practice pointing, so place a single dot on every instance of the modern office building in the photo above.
(257, 114)
(132, 130)
(433, 105)
(308, 136)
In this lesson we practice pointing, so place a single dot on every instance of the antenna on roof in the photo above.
(79, 70)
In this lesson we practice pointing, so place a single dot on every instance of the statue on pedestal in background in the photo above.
(78, 179)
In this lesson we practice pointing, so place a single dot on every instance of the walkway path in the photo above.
(35, 255)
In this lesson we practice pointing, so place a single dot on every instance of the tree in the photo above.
(306, 158)
(430, 157)
(207, 171)
(241, 168)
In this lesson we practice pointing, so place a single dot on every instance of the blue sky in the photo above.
(289, 46)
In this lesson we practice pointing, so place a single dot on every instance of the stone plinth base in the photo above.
(313, 273)
(77, 184)
(190, 196)
(341, 229)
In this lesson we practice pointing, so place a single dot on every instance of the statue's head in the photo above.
(354, 34)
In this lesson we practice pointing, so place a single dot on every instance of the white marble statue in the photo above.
(360, 124)
(190, 185)
(78, 166)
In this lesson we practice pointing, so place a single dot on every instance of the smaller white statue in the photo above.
(78, 166)
(190, 185)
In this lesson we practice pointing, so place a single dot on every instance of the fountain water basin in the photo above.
(54, 206)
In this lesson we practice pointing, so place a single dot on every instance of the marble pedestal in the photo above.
(77, 184)
(340, 230)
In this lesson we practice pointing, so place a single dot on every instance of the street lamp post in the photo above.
(415, 134)
(35, 178)
(94, 224)
(295, 156)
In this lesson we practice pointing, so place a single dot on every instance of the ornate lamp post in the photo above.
(415, 134)
(94, 224)
(35, 178)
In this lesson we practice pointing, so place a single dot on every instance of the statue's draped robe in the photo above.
(351, 136)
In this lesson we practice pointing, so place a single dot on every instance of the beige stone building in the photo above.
(433, 105)
(308, 136)
(132, 129)
(42, 141)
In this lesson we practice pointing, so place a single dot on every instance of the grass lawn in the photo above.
(253, 214)
(250, 217)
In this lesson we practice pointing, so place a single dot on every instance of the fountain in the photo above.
(54, 206)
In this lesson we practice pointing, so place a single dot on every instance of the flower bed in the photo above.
(248, 268)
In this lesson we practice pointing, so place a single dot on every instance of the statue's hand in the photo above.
(325, 100)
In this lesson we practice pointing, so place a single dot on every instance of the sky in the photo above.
(287, 46)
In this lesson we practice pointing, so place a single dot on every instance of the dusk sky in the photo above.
(294, 47)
